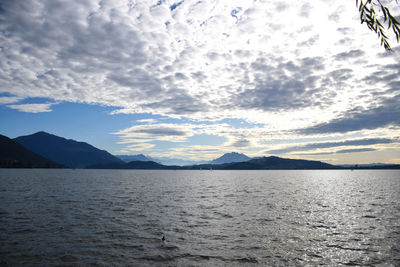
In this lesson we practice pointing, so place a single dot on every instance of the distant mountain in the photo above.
(268, 163)
(14, 155)
(263, 163)
(366, 165)
(160, 160)
(371, 166)
(66, 151)
(175, 161)
(129, 158)
(134, 165)
(380, 167)
(230, 157)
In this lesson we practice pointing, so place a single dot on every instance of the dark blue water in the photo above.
(212, 218)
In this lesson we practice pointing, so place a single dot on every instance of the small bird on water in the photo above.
(163, 238)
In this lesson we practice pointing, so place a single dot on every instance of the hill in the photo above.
(268, 163)
(230, 157)
(161, 160)
(274, 163)
(134, 165)
(66, 151)
(14, 155)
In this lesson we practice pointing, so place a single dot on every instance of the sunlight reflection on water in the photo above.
(223, 218)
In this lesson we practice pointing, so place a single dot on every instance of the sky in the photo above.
(197, 79)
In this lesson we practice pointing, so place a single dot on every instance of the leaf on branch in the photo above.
(367, 15)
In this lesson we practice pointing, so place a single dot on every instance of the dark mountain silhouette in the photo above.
(268, 163)
(160, 160)
(378, 167)
(134, 165)
(366, 165)
(44, 150)
(14, 155)
(129, 158)
(176, 161)
(66, 151)
(230, 157)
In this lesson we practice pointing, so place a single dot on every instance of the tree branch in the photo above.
(369, 16)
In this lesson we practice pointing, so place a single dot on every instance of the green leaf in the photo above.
(384, 12)
(361, 6)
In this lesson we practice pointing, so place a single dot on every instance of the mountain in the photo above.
(134, 165)
(160, 160)
(128, 158)
(175, 161)
(272, 163)
(66, 151)
(366, 165)
(14, 155)
(230, 157)
(262, 163)
(268, 163)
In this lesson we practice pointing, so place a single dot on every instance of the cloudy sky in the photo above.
(196, 79)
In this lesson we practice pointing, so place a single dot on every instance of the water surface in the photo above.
(214, 218)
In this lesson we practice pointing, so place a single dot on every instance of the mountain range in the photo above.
(44, 150)
(14, 155)
(273, 163)
(67, 152)
(134, 165)
(226, 158)
(175, 161)
(230, 157)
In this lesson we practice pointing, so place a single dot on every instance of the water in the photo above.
(209, 218)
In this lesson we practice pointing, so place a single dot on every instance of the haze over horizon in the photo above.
(197, 79)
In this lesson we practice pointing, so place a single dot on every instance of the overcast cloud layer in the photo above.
(299, 68)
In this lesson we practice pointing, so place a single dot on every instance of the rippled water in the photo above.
(214, 218)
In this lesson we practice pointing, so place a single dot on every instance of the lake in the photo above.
(208, 218)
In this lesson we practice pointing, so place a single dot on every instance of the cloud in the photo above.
(357, 150)
(241, 143)
(147, 121)
(351, 54)
(194, 152)
(138, 147)
(305, 10)
(386, 114)
(163, 132)
(342, 151)
(302, 65)
(314, 146)
(8, 99)
(281, 6)
(179, 104)
(32, 108)
(134, 140)
(314, 154)
(223, 136)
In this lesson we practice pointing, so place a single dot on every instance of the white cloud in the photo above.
(253, 141)
(32, 108)
(162, 132)
(138, 147)
(8, 99)
(147, 121)
(287, 65)
(134, 140)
